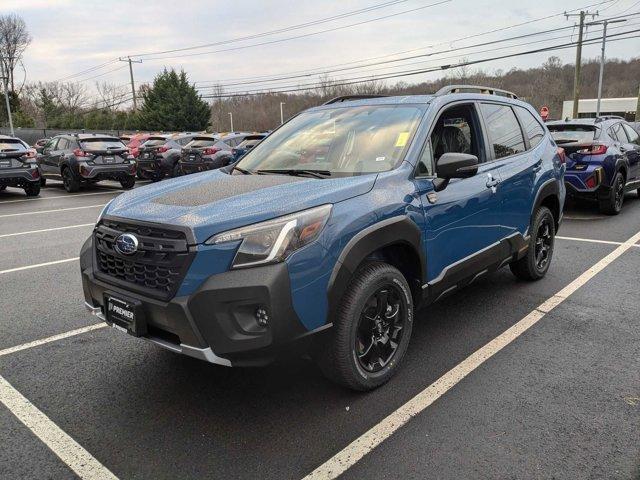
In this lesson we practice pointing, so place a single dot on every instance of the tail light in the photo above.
(35, 173)
(210, 151)
(595, 149)
(562, 155)
(163, 148)
(31, 153)
(78, 152)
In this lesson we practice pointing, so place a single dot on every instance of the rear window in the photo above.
(11, 144)
(199, 142)
(101, 144)
(155, 141)
(572, 133)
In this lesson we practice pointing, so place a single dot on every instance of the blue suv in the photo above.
(330, 233)
(603, 159)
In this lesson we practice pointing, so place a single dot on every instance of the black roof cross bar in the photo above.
(475, 89)
(346, 98)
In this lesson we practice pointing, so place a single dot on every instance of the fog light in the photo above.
(262, 317)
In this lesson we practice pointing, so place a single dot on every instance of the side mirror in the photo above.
(454, 165)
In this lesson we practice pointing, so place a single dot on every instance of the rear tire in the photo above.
(32, 189)
(43, 182)
(128, 182)
(612, 203)
(176, 172)
(534, 265)
(3, 187)
(71, 183)
(371, 332)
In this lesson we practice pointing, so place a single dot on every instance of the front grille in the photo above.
(156, 269)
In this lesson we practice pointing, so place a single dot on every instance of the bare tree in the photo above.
(111, 95)
(14, 39)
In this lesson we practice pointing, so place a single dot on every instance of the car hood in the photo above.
(212, 202)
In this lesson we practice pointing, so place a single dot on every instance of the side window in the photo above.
(425, 163)
(503, 130)
(51, 143)
(617, 134)
(63, 144)
(457, 130)
(632, 134)
(531, 126)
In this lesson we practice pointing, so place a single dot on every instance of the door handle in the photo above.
(492, 182)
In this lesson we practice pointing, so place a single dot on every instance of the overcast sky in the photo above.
(72, 36)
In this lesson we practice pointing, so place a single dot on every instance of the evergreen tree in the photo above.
(172, 103)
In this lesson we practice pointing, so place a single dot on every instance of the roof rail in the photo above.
(346, 98)
(602, 118)
(475, 89)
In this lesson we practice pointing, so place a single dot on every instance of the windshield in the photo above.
(201, 142)
(101, 144)
(10, 144)
(572, 133)
(342, 141)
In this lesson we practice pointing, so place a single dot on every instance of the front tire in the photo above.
(372, 329)
(534, 265)
(32, 189)
(612, 203)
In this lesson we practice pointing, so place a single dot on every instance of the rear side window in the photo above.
(572, 133)
(503, 129)
(532, 128)
(632, 134)
(11, 144)
(101, 144)
(617, 133)
(63, 144)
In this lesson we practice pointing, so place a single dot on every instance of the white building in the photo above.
(624, 107)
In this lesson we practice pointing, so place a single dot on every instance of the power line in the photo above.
(305, 35)
(280, 30)
(433, 69)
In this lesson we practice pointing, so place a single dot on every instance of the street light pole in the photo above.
(281, 113)
(6, 95)
(231, 118)
(604, 24)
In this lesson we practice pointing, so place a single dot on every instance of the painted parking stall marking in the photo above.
(44, 230)
(38, 265)
(367, 442)
(38, 212)
(68, 196)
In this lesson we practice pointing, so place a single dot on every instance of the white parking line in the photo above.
(54, 338)
(591, 240)
(38, 265)
(51, 211)
(66, 448)
(356, 450)
(70, 195)
(47, 230)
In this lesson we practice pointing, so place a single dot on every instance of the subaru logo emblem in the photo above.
(126, 244)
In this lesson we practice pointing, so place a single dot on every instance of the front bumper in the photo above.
(218, 322)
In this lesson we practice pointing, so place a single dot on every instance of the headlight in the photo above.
(272, 241)
(104, 210)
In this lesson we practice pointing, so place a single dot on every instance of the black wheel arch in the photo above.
(396, 240)
(549, 196)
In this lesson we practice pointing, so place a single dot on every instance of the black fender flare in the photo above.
(622, 164)
(71, 163)
(548, 189)
(391, 231)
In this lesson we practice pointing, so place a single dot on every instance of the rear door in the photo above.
(519, 166)
(632, 150)
(49, 152)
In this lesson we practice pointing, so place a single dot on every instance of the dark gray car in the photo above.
(159, 155)
(18, 166)
(208, 152)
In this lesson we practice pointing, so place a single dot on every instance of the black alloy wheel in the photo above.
(544, 243)
(380, 328)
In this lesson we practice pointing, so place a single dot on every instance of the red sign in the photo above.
(544, 113)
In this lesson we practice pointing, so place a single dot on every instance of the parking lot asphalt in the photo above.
(561, 401)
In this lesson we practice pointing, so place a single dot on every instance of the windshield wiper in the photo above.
(242, 170)
(296, 172)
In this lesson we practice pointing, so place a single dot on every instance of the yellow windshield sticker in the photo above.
(403, 138)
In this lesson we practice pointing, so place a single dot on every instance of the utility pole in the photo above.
(281, 113)
(133, 86)
(6, 95)
(576, 79)
(231, 118)
(604, 24)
